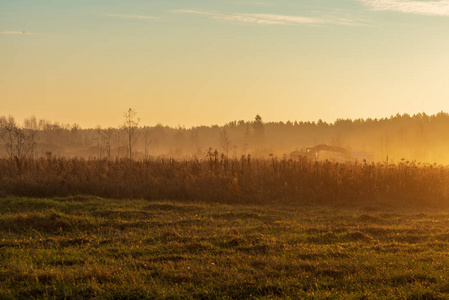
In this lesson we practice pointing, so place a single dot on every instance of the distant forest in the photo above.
(419, 137)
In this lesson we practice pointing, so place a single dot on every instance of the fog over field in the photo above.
(419, 138)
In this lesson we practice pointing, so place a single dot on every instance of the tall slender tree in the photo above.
(130, 126)
(259, 130)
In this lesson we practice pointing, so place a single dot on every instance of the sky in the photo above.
(205, 62)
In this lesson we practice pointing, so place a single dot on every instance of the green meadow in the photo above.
(90, 247)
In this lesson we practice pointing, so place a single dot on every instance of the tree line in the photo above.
(419, 137)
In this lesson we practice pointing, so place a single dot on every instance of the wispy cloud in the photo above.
(252, 3)
(138, 17)
(12, 32)
(429, 8)
(270, 19)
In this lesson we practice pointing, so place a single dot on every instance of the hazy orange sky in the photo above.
(213, 61)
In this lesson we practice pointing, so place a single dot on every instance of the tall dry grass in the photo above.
(216, 179)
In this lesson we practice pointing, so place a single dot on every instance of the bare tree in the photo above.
(30, 123)
(225, 141)
(118, 136)
(99, 140)
(130, 126)
(147, 143)
(19, 143)
(104, 141)
(107, 136)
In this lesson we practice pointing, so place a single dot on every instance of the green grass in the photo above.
(88, 247)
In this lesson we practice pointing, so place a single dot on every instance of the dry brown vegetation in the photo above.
(217, 179)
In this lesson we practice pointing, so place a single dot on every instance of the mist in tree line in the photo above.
(418, 137)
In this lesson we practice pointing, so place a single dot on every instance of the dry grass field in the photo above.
(218, 228)
(90, 247)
